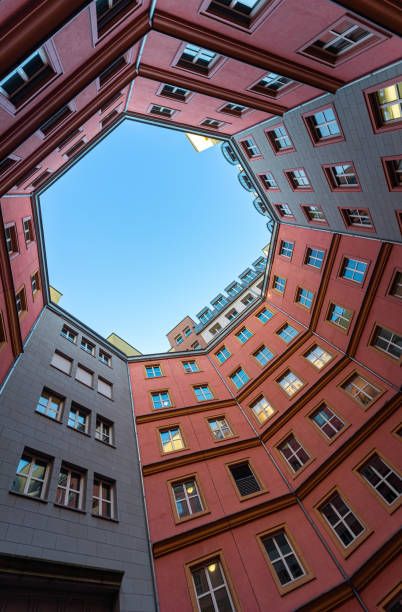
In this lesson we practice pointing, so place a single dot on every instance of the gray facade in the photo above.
(86, 555)
(361, 145)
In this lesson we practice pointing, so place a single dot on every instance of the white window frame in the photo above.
(68, 488)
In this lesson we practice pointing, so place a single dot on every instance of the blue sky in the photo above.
(144, 230)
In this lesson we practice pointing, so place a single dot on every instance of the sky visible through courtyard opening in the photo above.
(144, 230)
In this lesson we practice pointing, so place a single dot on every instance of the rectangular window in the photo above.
(283, 558)
(215, 329)
(262, 409)
(357, 217)
(327, 421)
(50, 404)
(161, 399)
(75, 148)
(179, 339)
(78, 418)
(396, 287)
(21, 301)
(109, 11)
(87, 346)
(237, 110)
(263, 355)
(340, 316)
(11, 239)
(104, 430)
(28, 230)
(153, 371)
(393, 171)
(190, 366)
(269, 181)
(212, 123)
(175, 92)
(314, 214)
(31, 476)
(294, 453)
(388, 342)
(111, 71)
(304, 297)
(211, 588)
(232, 314)
(223, 354)
(25, 80)
(243, 335)
(103, 494)
(290, 383)
(85, 376)
(354, 270)
(298, 179)
(384, 480)
(106, 120)
(69, 334)
(35, 283)
(341, 519)
(105, 357)
(7, 163)
(70, 487)
(171, 439)
(318, 357)
(162, 111)
(246, 482)
(197, 59)
(187, 331)
(287, 333)
(265, 315)
(41, 179)
(239, 378)
(284, 211)
(386, 106)
(286, 248)
(62, 362)
(272, 84)
(203, 393)
(323, 126)
(105, 388)
(55, 120)
(248, 299)
(361, 389)
(314, 258)
(248, 276)
(205, 315)
(279, 140)
(187, 498)
(342, 176)
(250, 148)
(220, 428)
(279, 284)
(220, 302)
(196, 345)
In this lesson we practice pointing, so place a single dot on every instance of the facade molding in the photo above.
(386, 13)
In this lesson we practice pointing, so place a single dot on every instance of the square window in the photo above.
(239, 378)
(318, 357)
(314, 214)
(273, 85)
(105, 358)
(282, 558)
(171, 439)
(245, 479)
(327, 421)
(298, 179)
(250, 148)
(393, 172)
(174, 92)
(262, 409)
(197, 59)
(294, 453)
(32, 475)
(290, 383)
(232, 314)
(279, 140)
(361, 390)
(286, 248)
(62, 362)
(323, 126)
(161, 399)
(78, 418)
(162, 111)
(104, 430)
(69, 334)
(304, 297)
(339, 316)
(385, 481)
(265, 315)
(11, 239)
(263, 355)
(357, 217)
(388, 342)
(203, 393)
(187, 331)
(103, 498)
(284, 211)
(212, 123)
(87, 346)
(223, 354)
(353, 270)
(179, 339)
(190, 366)
(237, 110)
(279, 284)
(268, 181)
(247, 299)
(340, 518)
(153, 371)
(215, 329)
(238, 12)
(187, 498)
(70, 488)
(314, 258)
(287, 333)
(243, 335)
(342, 177)
(50, 404)
(220, 428)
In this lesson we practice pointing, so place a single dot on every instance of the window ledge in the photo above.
(37, 499)
(104, 518)
(84, 433)
(105, 443)
(48, 417)
(79, 510)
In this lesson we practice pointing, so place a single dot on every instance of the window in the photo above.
(105, 388)
(361, 390)
(340, 316)
(62, 362)
(354, 270)
(272, 84)
(205, 315)
(105, 357)
(162, 111)
(327, 421)
(340, 41)
(70, 136)
(35, 283)
(187, 331)
(245, 480)
(298, 179)
(384, 480)
(286, 248)
(396, 287)
(318, 357)
(265, 315)
(220, 302)
(103, 498)
(388, 342)
(179, 339)
(290, 383)
(386, 106)
(11, 239)
(284, 211)
(161, 399)
(393, 603)
(314, 258)
(41, 179)
(197, 59)
(234, 109)
(341, 519)
(212, 123)
(153, 371)
(70, 485)
(87, 346)
(342, 177)
(55, 120)
(50, 404)
(21, 301)
(220, 428)
(393, 172)
(262, 409)
(294, 453)
(69, 334)
(323, 126)
(269, 181)
(357, 217)
(104, 430)
(175, 92)
(314, 214)
(239, 378)
(25, 80)
(232, 314)
(248, 299)
(77, 147)
(28, 230)
(116, 66)
(215, 329)
(304, 297)
(243, 335)
(248, 276)
(196, 345)
(106, 120)
(190, 366)
(279, 284)
(171, 439)
(78, 418)
(3, 337)
(211, 588)
(279, 140)
(109, 11)
(234, 289)
(283, 558)
(7, 163)
(85, 376)
(203, 393)
(287, 333)
(223, 354)
(250, 148)
(31, 476)
(240, 12)
(263, 355)
(187, 498)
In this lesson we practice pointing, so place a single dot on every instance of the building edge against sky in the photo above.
(264, 465)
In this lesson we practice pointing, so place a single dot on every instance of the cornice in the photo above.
(230, 47)
(178, 412)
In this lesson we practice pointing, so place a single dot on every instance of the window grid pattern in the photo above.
(298, 178)
(223, 354)
(273, 82)
(220, 428)
(279, 284)
(294, 453)
(290, 383)
(325, 125)
(153, 371)
(262, 409)
(384, 480)
(389, 102)
(161, 399)
(263, 355)
(396, 288)
(187, 498)
(50, 405)
(388, 342)
(171, 439)
(104, 431)
(265, 315)
(31, 476)
(354, 270)
(314, 213)
(283, 558)
(239, 378)
(287, 333)
(243, 335)
(304, 297)
(203, 393)
(286, 248)
(190, 366)
(102, 498)
(341, 519)
(250, 148)
(280, 139)
(314, 258)
(340, 316)
(78, 419)
(358, 216)
(327, 421)
(211, 588)
(342, 38)
(361, 389)
(69, 488)
(318, 357)
(344, 175)
(269, 181)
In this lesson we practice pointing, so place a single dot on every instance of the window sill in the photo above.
(179, 521)
(104, 518)
(49, 417)
(69, 508)
(37, 499)
(105, 443)
(105, 396)
(252, 495)
(83, 433)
